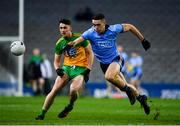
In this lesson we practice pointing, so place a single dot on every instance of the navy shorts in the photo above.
(117, 59)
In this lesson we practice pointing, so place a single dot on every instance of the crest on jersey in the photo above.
(71, 52)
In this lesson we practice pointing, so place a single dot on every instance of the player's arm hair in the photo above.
(90, 56)
(57, 61)
(134, 30)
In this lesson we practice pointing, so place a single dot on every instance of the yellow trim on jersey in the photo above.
(59, 40)
(76, 34)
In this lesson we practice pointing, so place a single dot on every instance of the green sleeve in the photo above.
(58, 47)
(85, 43)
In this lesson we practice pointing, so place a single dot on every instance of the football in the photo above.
(17, 48)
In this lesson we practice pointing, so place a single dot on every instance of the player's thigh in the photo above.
(113, 69)
(77, 83)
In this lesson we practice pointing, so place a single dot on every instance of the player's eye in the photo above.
(63, 27)
(96, 24)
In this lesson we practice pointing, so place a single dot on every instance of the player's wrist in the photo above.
(146, 44)
(60, 72)
(88, 70)
(143, 40)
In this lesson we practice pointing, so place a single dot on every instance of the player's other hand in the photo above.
(86, 75)
(60, 72)
(146, 44)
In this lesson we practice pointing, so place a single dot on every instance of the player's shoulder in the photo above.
(76, 34)
(88, 33)
(60, 40)
(90, 30)
(116, 28)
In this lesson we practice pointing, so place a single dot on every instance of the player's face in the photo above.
(99, 25)
(65, 30)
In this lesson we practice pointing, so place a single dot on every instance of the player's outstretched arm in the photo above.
(134, 30)
(129, 27)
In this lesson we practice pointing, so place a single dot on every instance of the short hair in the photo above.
(65, 21)
(99, 16)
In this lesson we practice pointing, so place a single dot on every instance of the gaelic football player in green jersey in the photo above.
(77, 65)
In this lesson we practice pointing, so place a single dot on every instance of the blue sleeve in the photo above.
(118, 28)
(85, 35)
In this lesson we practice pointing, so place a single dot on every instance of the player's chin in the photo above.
(99, 31)
(64, 34)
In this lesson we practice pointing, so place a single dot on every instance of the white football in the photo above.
(17, 48)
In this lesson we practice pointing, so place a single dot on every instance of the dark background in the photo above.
(158, 20)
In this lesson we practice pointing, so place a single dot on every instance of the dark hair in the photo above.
(65, 21)
(99, 16)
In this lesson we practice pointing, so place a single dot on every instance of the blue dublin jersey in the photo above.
(104, 45)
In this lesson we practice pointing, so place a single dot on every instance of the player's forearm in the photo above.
(134, 30)
(137, 33)
(57, 61)
(77, 41)
(90, 57)
(129, 27)
(90, 60)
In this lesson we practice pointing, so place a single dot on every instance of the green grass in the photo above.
(88, 111)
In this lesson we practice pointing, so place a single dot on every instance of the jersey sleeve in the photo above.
(58, 47)
(85, 43)
(118, 28)
(86, 34)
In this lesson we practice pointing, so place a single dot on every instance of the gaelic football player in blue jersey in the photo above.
(103, 40)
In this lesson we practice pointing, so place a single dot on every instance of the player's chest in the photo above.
(108, 36)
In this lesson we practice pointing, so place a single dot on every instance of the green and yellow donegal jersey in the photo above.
(77, 55)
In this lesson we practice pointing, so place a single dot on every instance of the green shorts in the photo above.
(73, 71)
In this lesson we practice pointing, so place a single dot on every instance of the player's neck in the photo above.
(69, 35)
(104, 29)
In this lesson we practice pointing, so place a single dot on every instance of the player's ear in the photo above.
(104, 21)
(70, 27)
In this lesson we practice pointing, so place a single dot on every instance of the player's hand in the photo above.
(86, 75)
(146, 44)
(60, 72)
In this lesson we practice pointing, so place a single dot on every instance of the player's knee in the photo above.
(73, 88)
(109, 78)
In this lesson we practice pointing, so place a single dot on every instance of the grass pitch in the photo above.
(88, 111)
